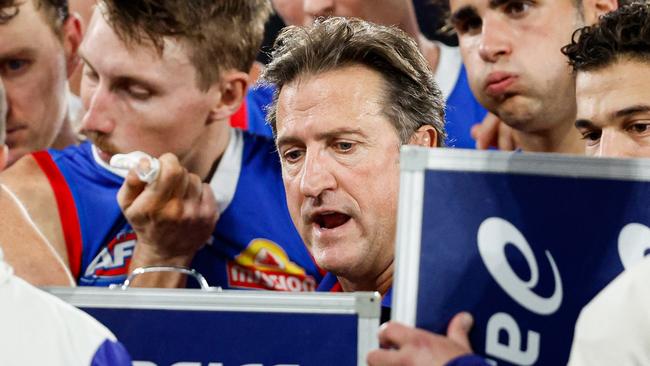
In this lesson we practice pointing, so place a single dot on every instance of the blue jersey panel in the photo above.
(258, 99)
(111, 354)
(254, 245)
(463, 111)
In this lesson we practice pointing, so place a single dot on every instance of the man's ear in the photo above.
(592, 10)
(72, 37)
(426, 136)
(232, 90)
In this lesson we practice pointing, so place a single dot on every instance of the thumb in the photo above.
(475, 131)
(477, 134)
(459, 328)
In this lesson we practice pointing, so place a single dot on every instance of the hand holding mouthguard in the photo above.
(146, 167)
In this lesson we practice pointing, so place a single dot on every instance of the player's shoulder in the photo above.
(25, 175)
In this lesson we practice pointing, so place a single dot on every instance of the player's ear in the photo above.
(72, 35)
(232, 89)
(426, 136)
(592, 10)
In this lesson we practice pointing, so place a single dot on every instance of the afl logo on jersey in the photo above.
(112, 262)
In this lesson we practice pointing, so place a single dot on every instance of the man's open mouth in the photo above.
(330, 220)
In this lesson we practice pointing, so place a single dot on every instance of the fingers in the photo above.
(458, 329)
(384, 357)
(199, 201)
(475, 131)
(412, 346)
(171, 185)
(506, 139)
(130, 190)
(175, 194)
(394, 335)
(486, 133)
(172, 179)
(398, 339)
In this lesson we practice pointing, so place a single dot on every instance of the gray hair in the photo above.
(412, 98)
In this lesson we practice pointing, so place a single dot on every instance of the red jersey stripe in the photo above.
(67, 210)
(240, 119)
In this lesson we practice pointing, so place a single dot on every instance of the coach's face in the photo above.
(614, 109)
(340, 165)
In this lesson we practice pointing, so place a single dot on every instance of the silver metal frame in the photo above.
(198, 277)
(365, 304)
(559, 165)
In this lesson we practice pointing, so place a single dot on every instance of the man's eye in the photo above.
(292, 155)
(640, 128)
(516, 8)
(14, 66)
(591, 136)
(344, 146)
(139, 92)
(468, 24)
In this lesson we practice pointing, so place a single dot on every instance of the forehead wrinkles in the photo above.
(335, 86)
(328, 99)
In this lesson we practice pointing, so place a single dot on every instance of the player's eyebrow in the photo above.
(464, 13)
(584, 123)
(632, 110)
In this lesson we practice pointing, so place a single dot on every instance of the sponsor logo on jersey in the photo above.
(265, 265)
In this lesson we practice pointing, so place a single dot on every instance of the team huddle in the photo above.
(307, 201)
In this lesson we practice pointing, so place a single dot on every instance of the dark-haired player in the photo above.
(612, 65)
(511, 50)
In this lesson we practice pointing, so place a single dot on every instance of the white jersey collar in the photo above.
(225, 178)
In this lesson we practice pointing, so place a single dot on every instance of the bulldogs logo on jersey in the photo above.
(265, 265)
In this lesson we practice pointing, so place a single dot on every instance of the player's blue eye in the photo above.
(15, 65)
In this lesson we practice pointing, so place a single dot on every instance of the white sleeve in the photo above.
(614, 328)
(40, 329)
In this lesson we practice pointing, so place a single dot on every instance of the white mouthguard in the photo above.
(145, 166)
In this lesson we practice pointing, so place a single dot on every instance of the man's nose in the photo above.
(317, 176)
(97, 117)
(495, 39)
(616, 144)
